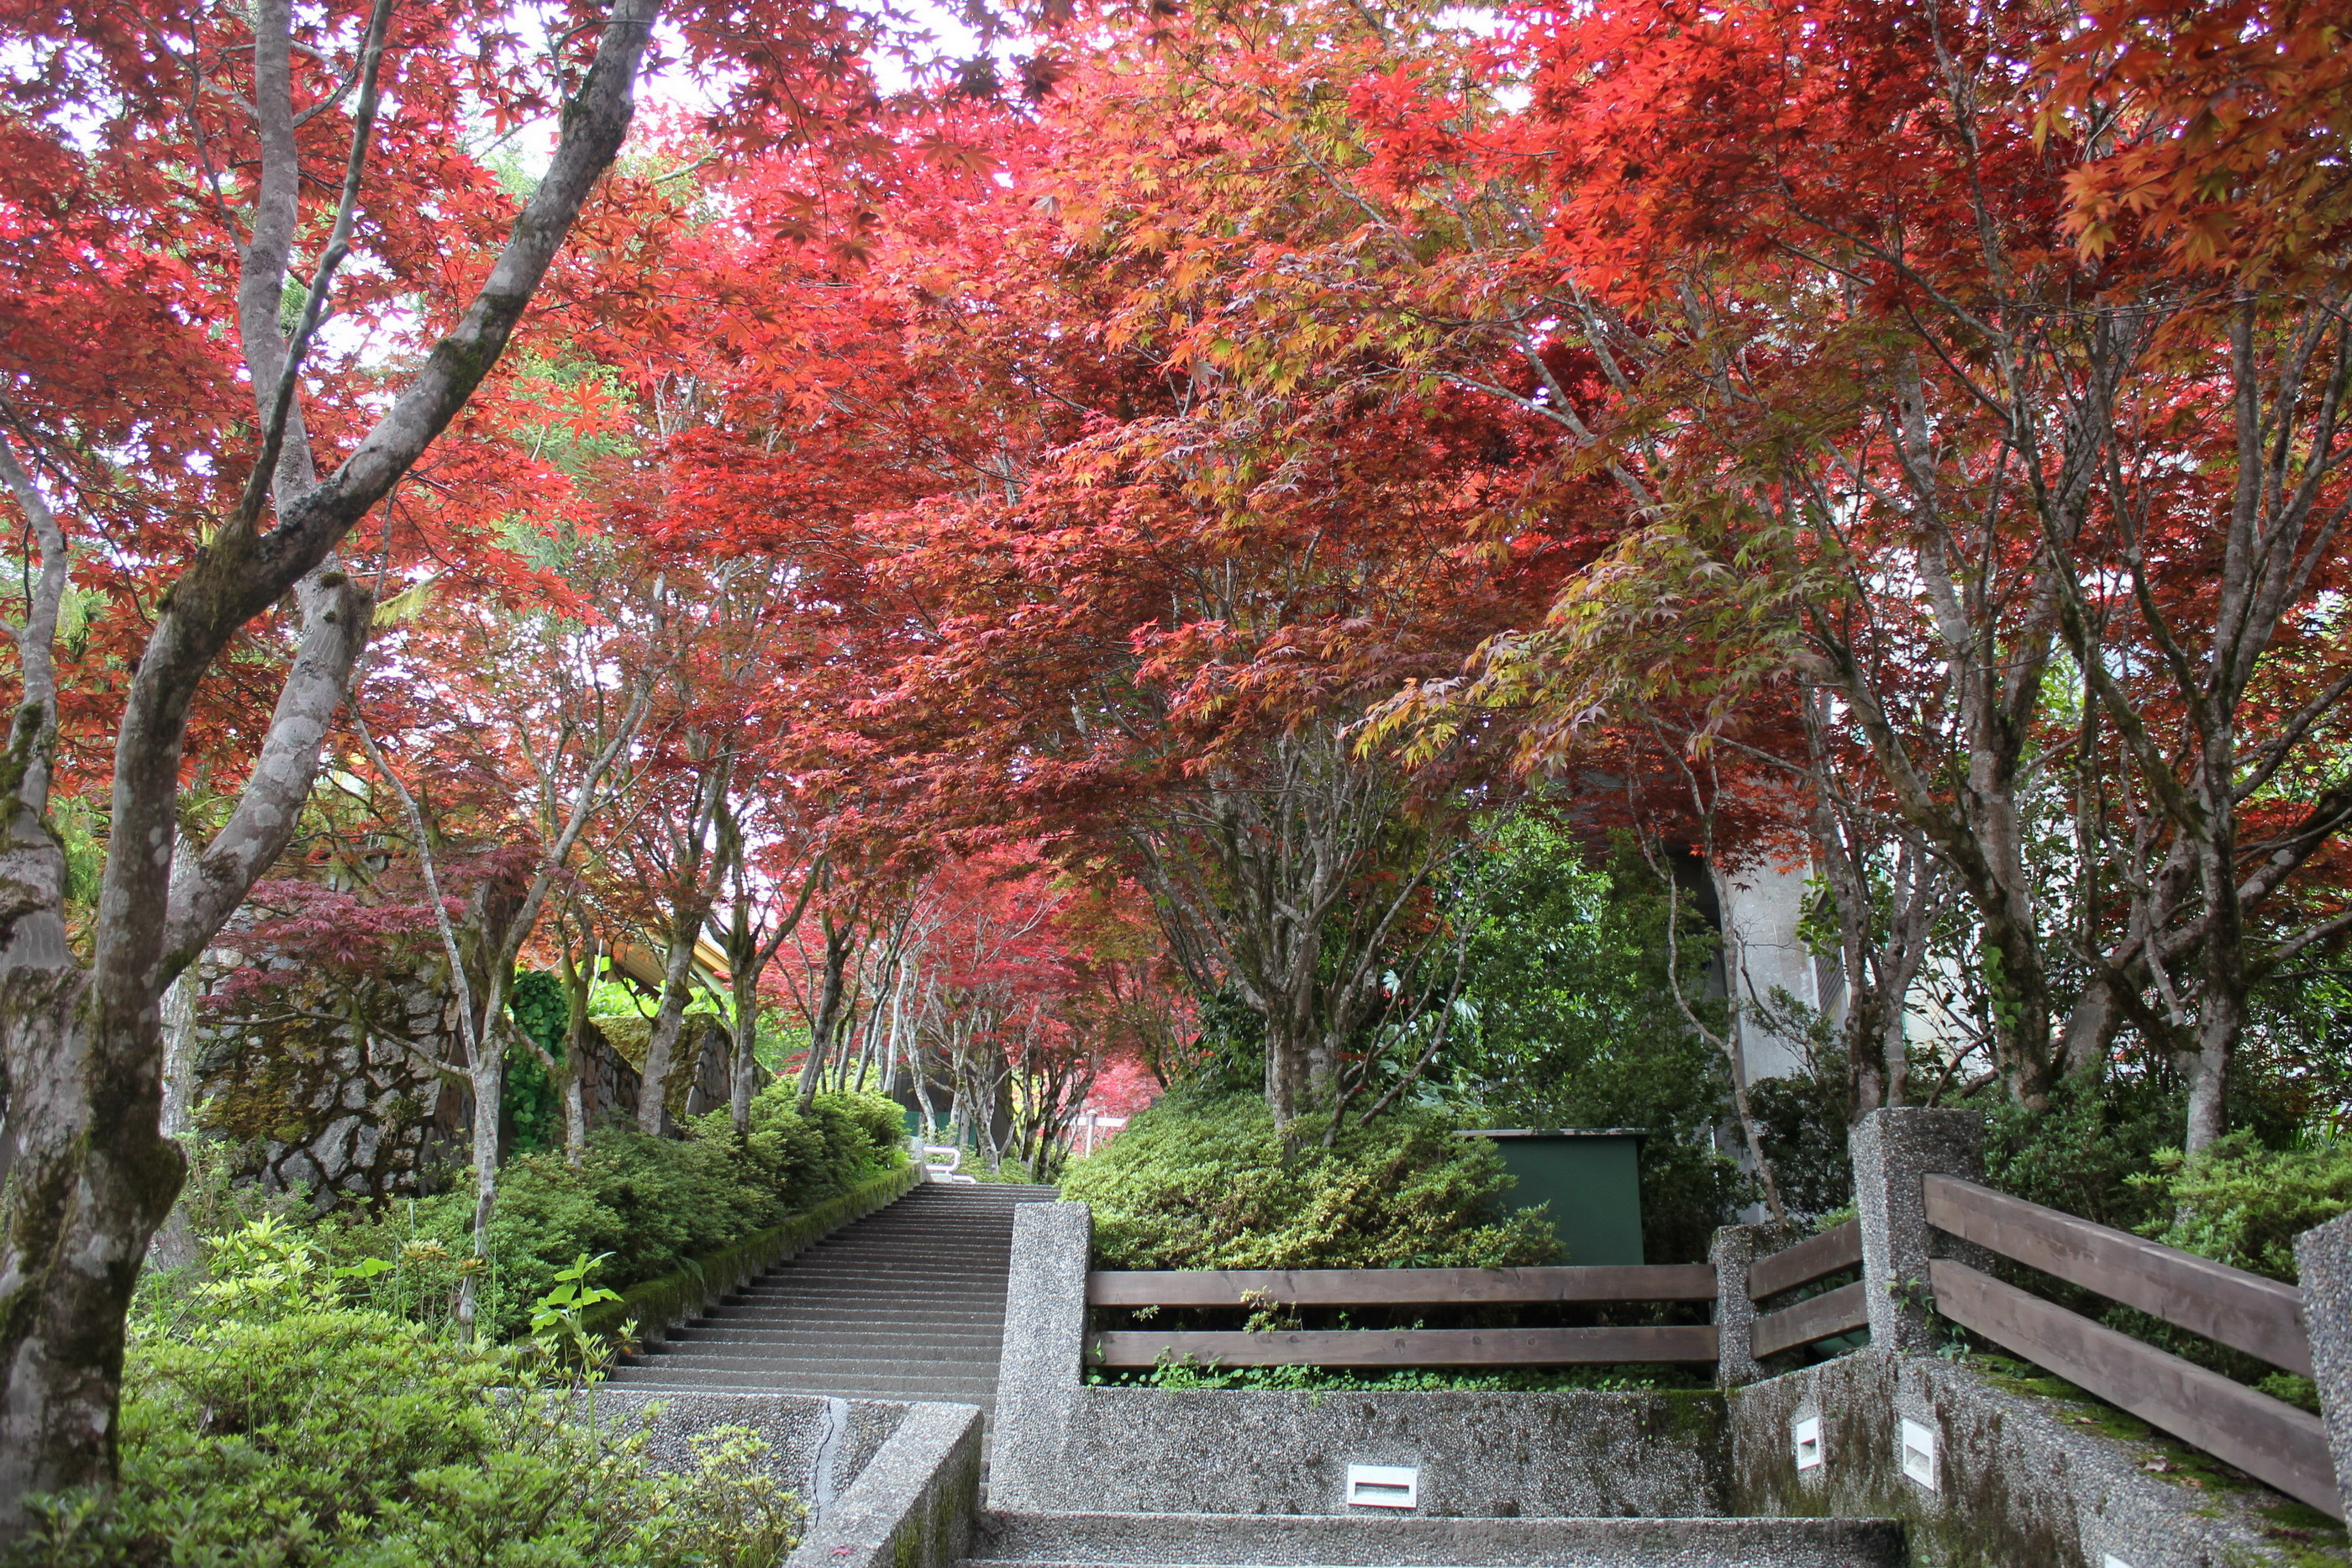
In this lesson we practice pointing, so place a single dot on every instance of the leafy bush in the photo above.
(2243, 1205)
(1199, 1180)
(651, 1204)
(2086, 1154)
(1574, 1024)
(291, 1430)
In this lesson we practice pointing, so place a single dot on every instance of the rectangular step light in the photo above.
(1808, 1436)
(1919, 1453)
(1383, 1485)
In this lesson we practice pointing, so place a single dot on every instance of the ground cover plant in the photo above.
(287, 1422)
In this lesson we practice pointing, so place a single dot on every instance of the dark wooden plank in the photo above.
(1415, 1347)
(2245, 1312)
(1838, 1311)
(1807, 1261)
(2269, 1440)
(1397, 1287)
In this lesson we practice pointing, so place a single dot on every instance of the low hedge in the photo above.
(657, 1303)
(1200, 1181)
(646, 1207)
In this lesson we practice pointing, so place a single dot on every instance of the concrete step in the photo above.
(955, 1391)
(906, 1303)
(867, 1333)
(911, 1346)
(873, 1300)
(890, 1271)
(1276, 1541)
(960, 1367)
(849, 1312)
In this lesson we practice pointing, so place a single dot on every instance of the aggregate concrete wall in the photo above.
(2324, 1265)
(1481, 1456)
(1063, 1446)
(2020, 1479)
(912, 1505)
(820, 1446)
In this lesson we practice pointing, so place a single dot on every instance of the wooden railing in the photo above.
(1403, 1287)
(1817, 1318)
(2271, 1440)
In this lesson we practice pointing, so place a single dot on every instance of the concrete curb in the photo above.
(1363, 1541)
(912, 1505)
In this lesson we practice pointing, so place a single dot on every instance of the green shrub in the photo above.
(2241, 1204)
(1574, 1023)
(291, 1431)
(651, 1203)
(2086, 1154)
(1199, 1180)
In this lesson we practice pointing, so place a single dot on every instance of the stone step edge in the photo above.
(1036, 1538)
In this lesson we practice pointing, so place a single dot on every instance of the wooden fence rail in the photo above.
(1402, 1287)
(1818, 1318)
(1397, 1287)
(1817, 1257)
(2267, 1438)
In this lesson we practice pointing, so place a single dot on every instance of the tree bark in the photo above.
(93, 1174)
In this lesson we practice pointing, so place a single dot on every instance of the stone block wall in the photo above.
(334, 1089)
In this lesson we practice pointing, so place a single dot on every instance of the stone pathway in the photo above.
(906, 1303)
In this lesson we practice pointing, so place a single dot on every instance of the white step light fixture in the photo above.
(2112, 1560)
(1807, 1434)
(1919, 1453)
(1383, 1485)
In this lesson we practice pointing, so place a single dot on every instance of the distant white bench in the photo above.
(940, 1162)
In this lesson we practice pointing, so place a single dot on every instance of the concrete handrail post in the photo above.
(2323, 1259)
(1894, 1150)
(1734, 1247)
(1043, 1365)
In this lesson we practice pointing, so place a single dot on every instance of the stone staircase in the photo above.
(906, 1303)
(1264, 1540)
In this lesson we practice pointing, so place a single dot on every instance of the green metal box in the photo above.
(1589, 1178)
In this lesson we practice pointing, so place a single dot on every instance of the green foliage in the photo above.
(2085, 1153)
(1199, 1180)
(1802, 1120)
(2243, 1205)
(299, 1432)
(650, 1203)
(1575, 1024)
(533, 1116)
(556, 1319)
(1191, 1374)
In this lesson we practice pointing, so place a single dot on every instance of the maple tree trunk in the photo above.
(743, 1067)
(828, 1022)
(486, 1073)
(579, 980)
(92, 1176)
(661, 1043)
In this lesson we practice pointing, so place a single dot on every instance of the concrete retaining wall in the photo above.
(2020, 1477)
(820, 1446)
(887, 1484)
(1063, 1446)
(1481, 1456)
(2023, 1480)
(912, 1505)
